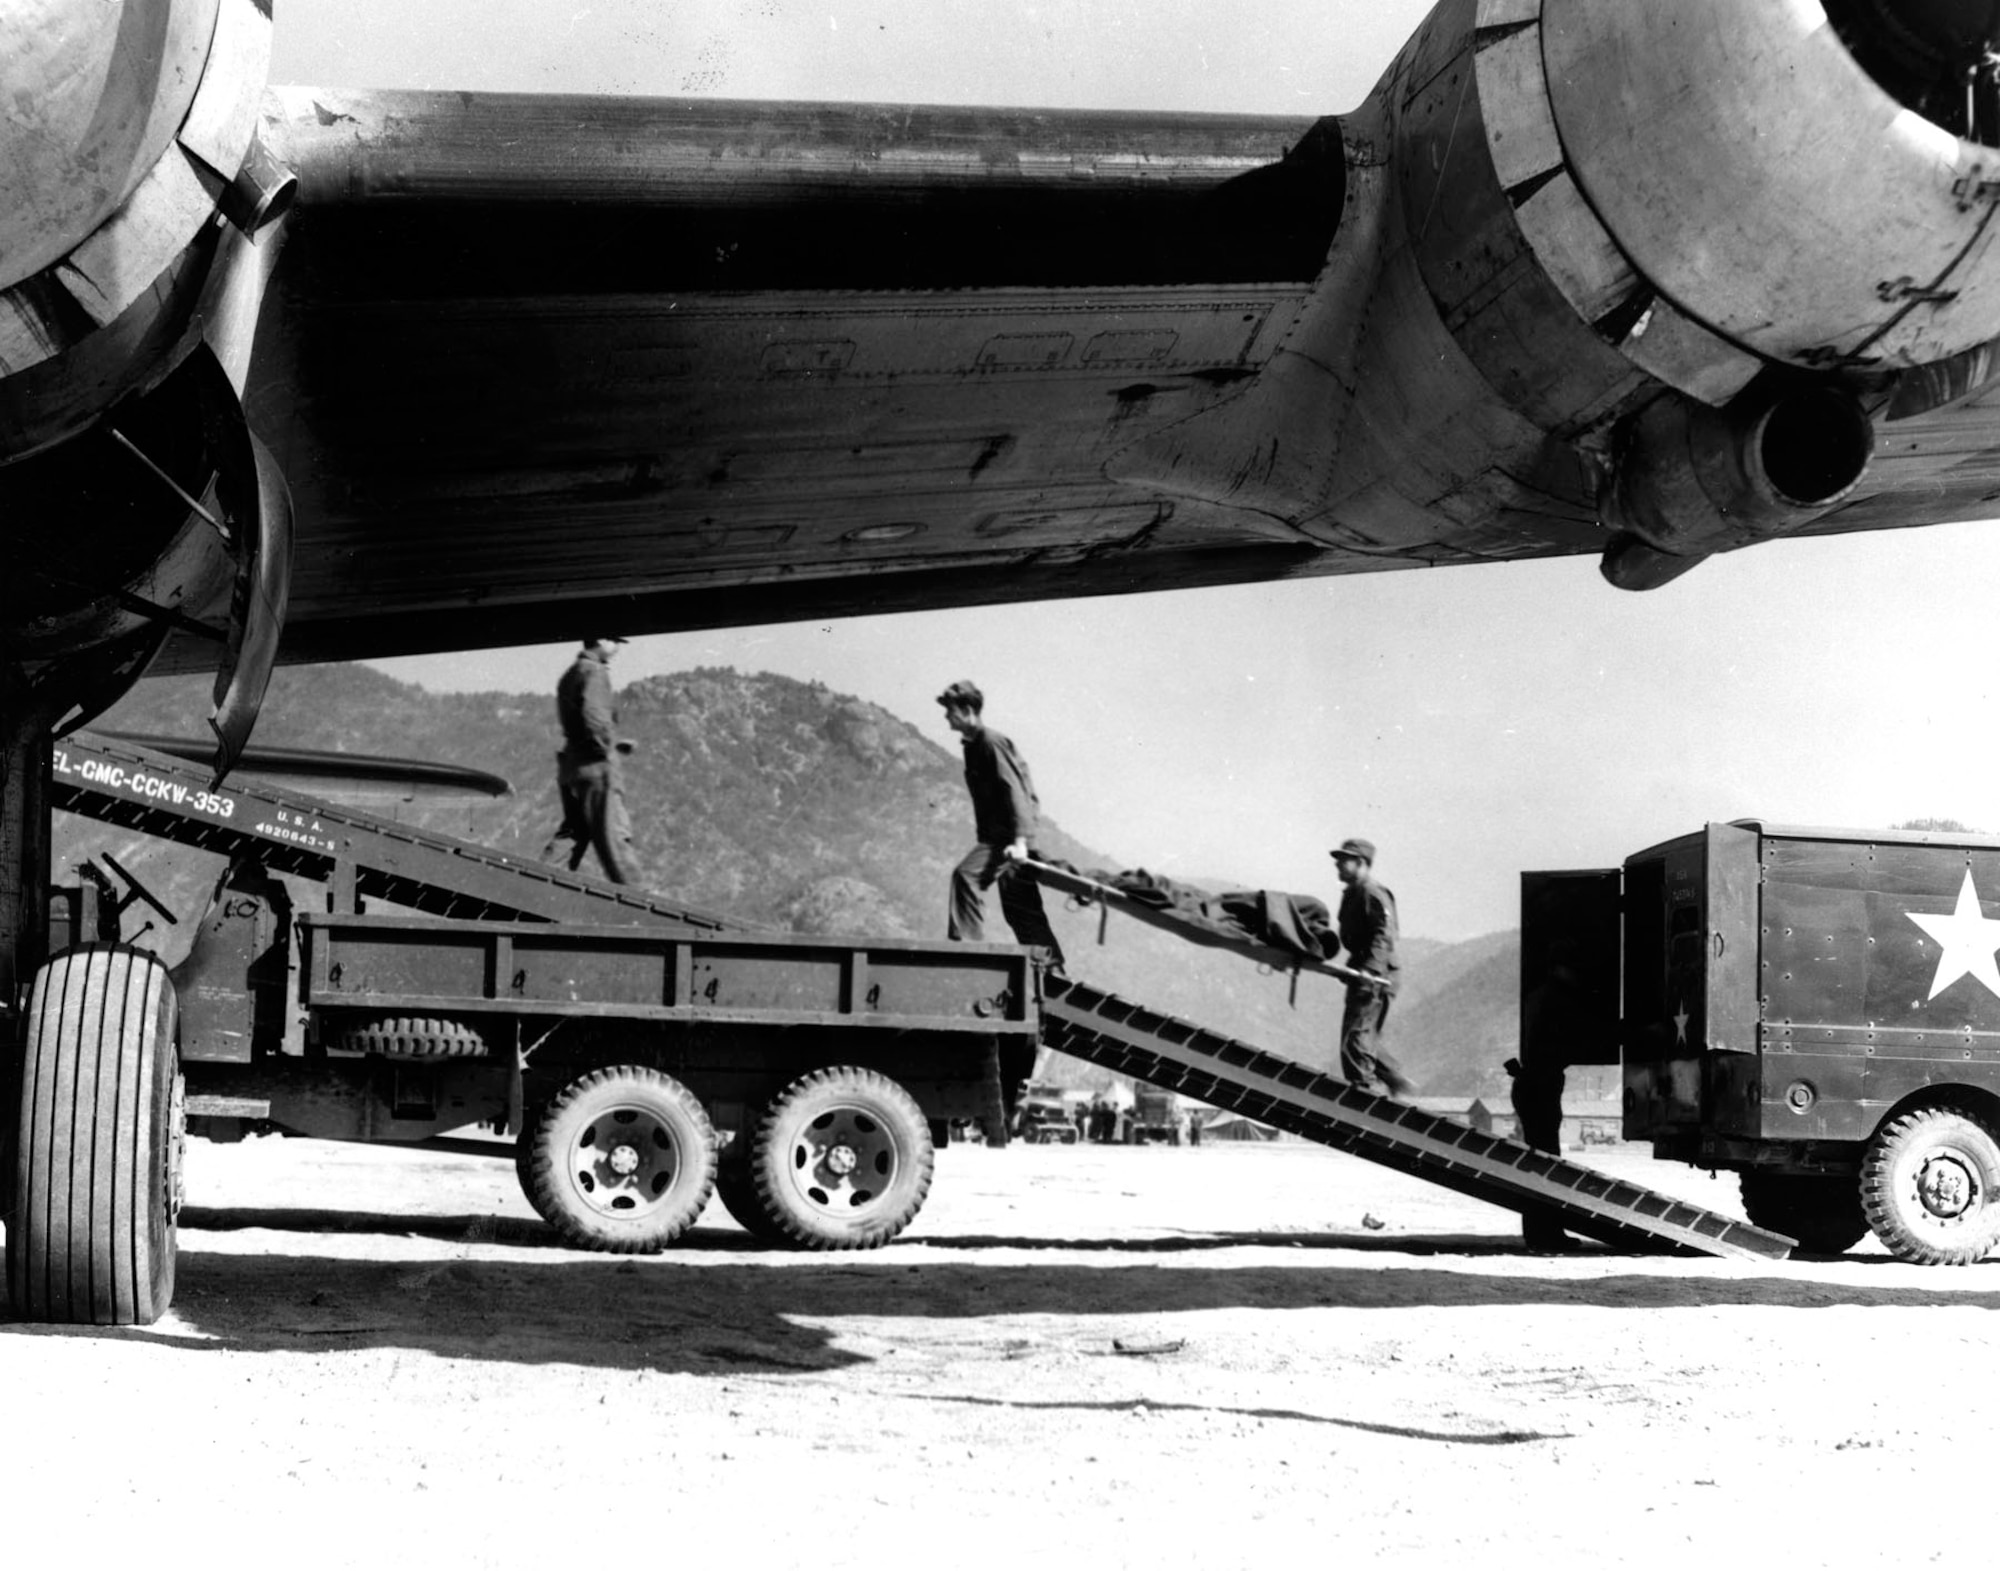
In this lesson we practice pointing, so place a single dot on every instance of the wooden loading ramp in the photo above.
(355, 854)
(1108, 1031)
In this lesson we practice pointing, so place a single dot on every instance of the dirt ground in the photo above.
(1096, 1356)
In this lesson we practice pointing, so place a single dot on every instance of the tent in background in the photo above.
(1234, 1126)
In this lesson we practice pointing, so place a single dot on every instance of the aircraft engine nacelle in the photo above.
(1759, 176)
(1710, 187)
(136, 501)
(130, 125)
(1624, 214)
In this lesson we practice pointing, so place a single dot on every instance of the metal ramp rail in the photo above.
(1107, 1030)
(351, 852)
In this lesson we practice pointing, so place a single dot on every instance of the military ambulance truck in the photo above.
(1815, 1010)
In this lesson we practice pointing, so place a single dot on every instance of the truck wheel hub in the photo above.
(624, 1160)
(1946, 1187)
(842, 1160)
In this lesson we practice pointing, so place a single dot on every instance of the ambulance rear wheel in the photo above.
(623, 1160)
(1930, 1185)
(1822, 1211)
(842, 1159)
(92, 1237)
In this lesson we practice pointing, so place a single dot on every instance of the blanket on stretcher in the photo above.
(1298, 924)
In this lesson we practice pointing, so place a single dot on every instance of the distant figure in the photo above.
(1367, 924)
(1537, 1095)
(1005, 813)
(593, 798)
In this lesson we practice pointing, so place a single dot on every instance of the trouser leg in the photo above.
(976, 869)
(595, 791)
(1363, 1059)
(573, 831)
(1021, 905)
(1539, 1110)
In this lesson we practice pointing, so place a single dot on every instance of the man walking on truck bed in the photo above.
(1367, 924)
(593, 804)
(1005, 812)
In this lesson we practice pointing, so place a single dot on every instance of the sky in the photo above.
(1474, 722)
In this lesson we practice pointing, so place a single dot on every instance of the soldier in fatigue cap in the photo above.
(1367, 925)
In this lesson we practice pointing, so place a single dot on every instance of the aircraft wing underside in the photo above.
(311, 374)
(773, 362)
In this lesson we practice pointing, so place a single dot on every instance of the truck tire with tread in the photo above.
(404, 1036)
(736, 1187)
(623, 1160)
(1930, 1185)
(91, 1235)
(842, 1159)
(524, 1160)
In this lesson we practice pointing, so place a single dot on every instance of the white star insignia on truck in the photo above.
(1969, 940)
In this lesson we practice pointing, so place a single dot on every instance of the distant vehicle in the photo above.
(1043, 1116)
(1156, 1115)
(1816, 1010)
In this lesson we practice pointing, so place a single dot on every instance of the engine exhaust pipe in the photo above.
(1692, 480)
(262, 192)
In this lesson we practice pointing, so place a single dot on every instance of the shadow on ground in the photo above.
(718, 1305)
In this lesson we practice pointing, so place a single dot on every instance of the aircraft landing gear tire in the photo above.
(1930, 1185)
(623, 1160)
(842, 1159)
(91, 1235)
(1822, 1211)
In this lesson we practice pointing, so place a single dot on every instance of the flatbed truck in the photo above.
(1815, 1010)
(643, 1055)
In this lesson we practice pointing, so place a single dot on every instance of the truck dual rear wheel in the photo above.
(841, 1159)
(91, 1235)
(623, 1160)
(736, 1185)
(1930, 1185)
(1822, 1211)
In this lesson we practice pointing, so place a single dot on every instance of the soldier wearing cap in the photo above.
(1005, 812)
(593, 799)
(1367, 924)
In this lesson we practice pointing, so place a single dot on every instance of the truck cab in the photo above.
(1816, 1010)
